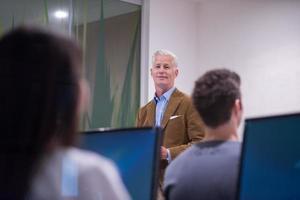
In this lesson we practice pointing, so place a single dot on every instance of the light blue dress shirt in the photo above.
(161, 105)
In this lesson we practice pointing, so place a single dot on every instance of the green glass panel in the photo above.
(109, 33)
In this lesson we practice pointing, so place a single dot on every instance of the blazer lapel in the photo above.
(151, 113)
(174, 102)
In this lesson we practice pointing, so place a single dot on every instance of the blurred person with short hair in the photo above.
(209, 170)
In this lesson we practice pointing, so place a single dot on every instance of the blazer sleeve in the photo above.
(138, 119)
(141, 117)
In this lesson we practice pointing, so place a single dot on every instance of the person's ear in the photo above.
(238, 107)
(241, 104)
(84, 95)
(151, 71)
(176, 71)
(238, 110)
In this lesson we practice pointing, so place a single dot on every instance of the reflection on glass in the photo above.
(109, 33)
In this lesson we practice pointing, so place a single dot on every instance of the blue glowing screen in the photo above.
(135, 152)
(270, 167)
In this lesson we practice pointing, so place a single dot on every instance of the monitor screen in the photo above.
(135, 152)
(270, 162)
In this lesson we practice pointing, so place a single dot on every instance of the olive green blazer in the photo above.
(181, 123)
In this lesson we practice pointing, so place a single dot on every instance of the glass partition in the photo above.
(109, 34)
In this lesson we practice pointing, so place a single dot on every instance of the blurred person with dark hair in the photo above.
(42, 94)
(209, 169)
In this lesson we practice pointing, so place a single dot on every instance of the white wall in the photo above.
(258, 39)
(261, 41)
(173, 26)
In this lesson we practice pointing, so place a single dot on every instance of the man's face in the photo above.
(164, 72)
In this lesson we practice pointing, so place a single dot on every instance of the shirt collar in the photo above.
(166, 95)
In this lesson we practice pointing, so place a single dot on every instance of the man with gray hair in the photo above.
(170, 109)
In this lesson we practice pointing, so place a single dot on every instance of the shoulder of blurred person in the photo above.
(206, 169)
(74, 173)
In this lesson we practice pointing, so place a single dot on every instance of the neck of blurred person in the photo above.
(228, 130)
(223, 132)
(81, 108)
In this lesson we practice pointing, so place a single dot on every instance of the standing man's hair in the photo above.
(163, 52)
(214, 96)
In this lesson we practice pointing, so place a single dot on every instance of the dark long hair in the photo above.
(39, 88)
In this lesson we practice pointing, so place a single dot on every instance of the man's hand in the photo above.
(163, 153)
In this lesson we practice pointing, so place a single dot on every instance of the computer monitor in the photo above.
(135, 151)
(270, 161)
